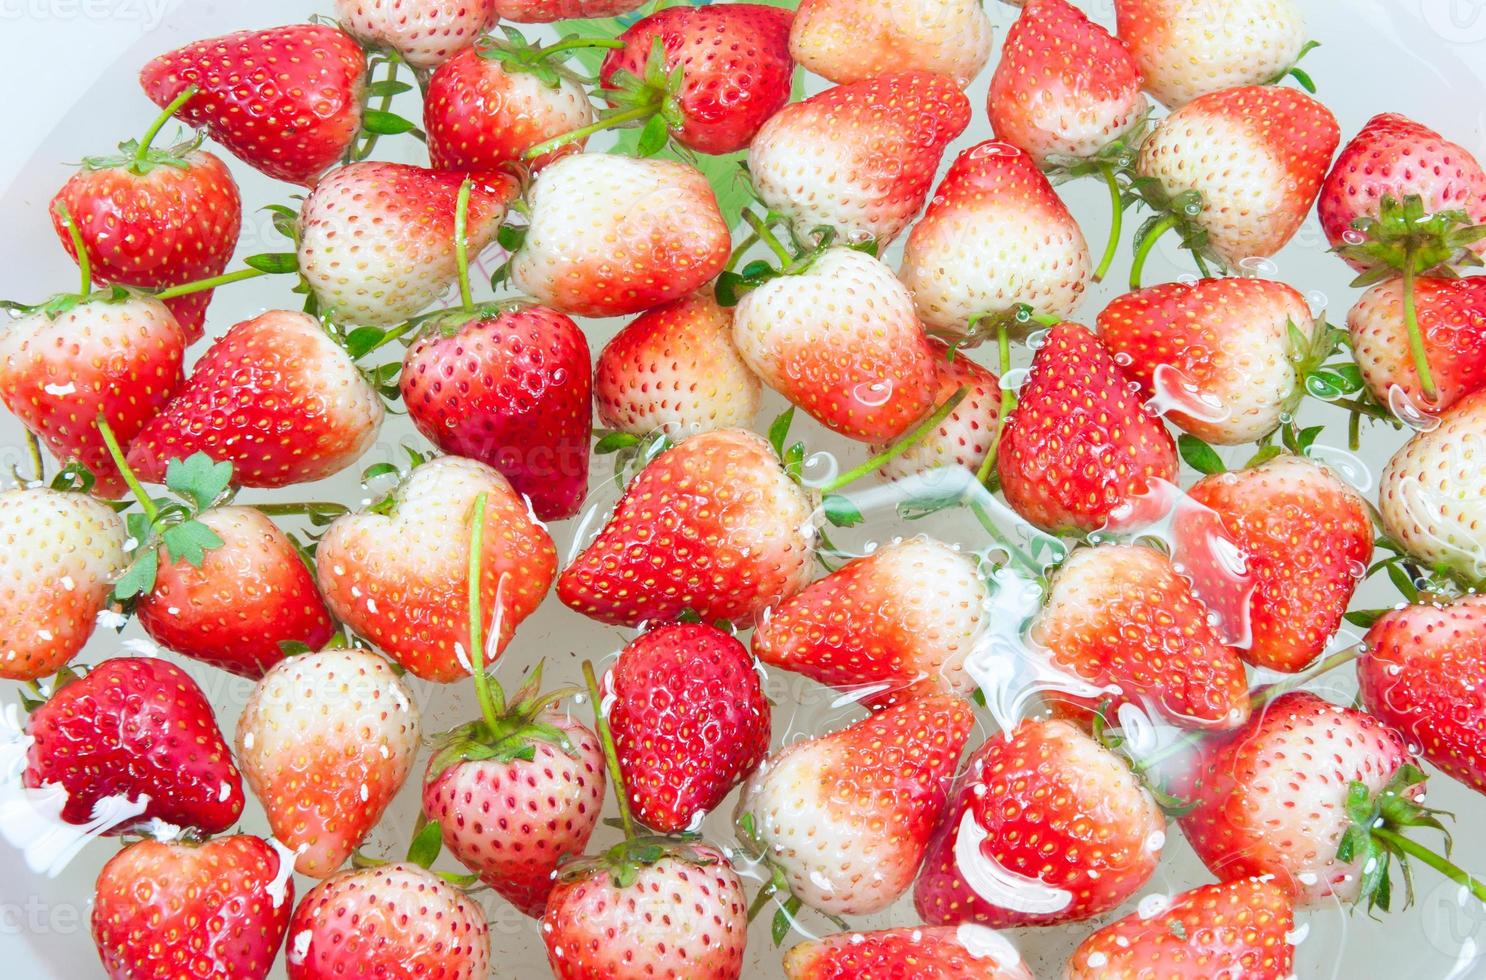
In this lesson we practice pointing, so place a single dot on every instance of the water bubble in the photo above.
(1175, 391)
(873, 394)
(1014, 379)
(997, 884)
(1258, 267)
(1347, 465)
(1318, 302)
(1407, 411)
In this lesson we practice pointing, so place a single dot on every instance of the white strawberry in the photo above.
(424, 33)
(851, 40)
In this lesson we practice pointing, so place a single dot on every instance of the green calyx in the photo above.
(1403, 238)
(1301, 76)
(734, 282)
(651, 102)
(623, 861)
(512, 737)
(517, 54)
(1117, 155)
(140, 156)
(1181, 212)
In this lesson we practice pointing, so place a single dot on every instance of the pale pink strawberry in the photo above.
(964, 437)
(548, 11)
(967, 952)
(423, 33)
(854, 40)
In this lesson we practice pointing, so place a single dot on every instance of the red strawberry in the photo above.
(1306, 538)
(840, 340)
(690, 722)
(141, 731)
(845, 817)
(713, 525)
(1215, 353)
(964, 437)
(274, 396)
(396, 920)
(513, 389)
(855, 40)
(1045, 826)
(894, 625)
(224, 904)
(400, 578)
(859, 158)
(675, 370)
(968, 952)
(423, 33)
(734, 72)
(286, 101)
(611, 235)
(326, 741)
(1080, 445)
(61, 553)
(117, 359)
(1228, 930)
(247, 597)
(548, 11)
(996, 236)
(1423, 671)
(1123, 616)
(1451, 314)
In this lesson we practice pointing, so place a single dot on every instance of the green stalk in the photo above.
(369, 141)
(145, 503)
(1008, 402)
(583, 132)
(1149, 242)
(145, 141)
(84, 263)
(1116, 223)
(611, 754)
(761, 229)
(1416, 336)
(1421, 853)
(994, 530)
(580, 43)
(38, 462)
(490, 696)
(898, 448)
(1202, 269)
(299, 510)
(462, 243)
(202, 285)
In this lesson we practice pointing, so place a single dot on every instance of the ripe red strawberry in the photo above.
(1219, 348)
(680, 914)
(117, 359)
(1123, 616)
(247, 597)
(964, 437)
(224, 904)
(855, 40)
(275, 397)
(423, 33)
(859, 158)
(1080, 445)
(845, 817)
(376, 240)
(1451, 314)
(1186, 51)
(735, 72)
(713, 525)
(1045, 826)
(968, 952)
(286, 101)
(61, 553)
(401, 578)
(548, 11)
(511, 388)
(894, 625)
(611, 235)
(675, 370)
(841, 341)
(689, 719)
(139, 730)
(1231, 929)
(1423, 671)
(395, 920)
(996, 236)
(326, 741)
(1306, 538)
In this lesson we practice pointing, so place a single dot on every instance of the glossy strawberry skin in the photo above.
(1452, 326)
(920, 953)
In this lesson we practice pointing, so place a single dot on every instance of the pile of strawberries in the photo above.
(1169, 631)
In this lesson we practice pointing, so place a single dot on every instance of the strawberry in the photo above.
(996, 236)
(858, 158)
(395, 920)
(713, 525)
(1220, 347)
(894, 625)
(1228, 930)
(423, 33)
(1045, 826)
(1421, 671)
(840, 340)
(139, 730)
(61, 553)
(1451, 316)
(248, 597)
(672, 694)
(1236, 171)
(100, 357)
(512, 388)
(1185, 51)
(548, 11)
(1079, 446)
(964, 437)
(376, 240)
(1306, 538)
(925, 953)
(855, 40)
(286, 101)
(224, 904)
(398, 574)
(1124, 616)
(326, 740)
(712, 75)
(611, 235)
(274, 396)
(675, 370)
(844, 818)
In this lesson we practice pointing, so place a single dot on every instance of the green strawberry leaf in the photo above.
(273, 263)
(381, 123)
(199, 479)
(140, 576)
(613, 442)
(426, 845)
(1199, 455)
(190, 542)
(1365, 618)
(779, 430)
(840, 511)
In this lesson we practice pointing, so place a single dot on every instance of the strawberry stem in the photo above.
(318, 508)
(581, 43)
(84, 263)
(1146, 244)
(611, 754)
(202, 285)
(1008, 402)
(913, 438)
(142, 153)
(109, 440)
(765, 235)
(1116, 222)
(462, 243)
(369, 140)
(1421, 853)
(583, 132)
(1416, 336)
(490, 695)
(38, 462)
(999, 536)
